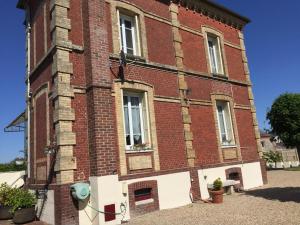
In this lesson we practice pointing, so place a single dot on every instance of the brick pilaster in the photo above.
(101, 112)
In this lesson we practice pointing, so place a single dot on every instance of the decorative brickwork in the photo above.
(183, 88)
(251, 97)
(63, 113)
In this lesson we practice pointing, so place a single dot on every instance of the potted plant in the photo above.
(5, 209)
(22, 204)
(217, 191)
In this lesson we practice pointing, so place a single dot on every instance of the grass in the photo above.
(293, 169)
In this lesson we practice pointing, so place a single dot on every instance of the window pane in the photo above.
(126, 118)
(136, 120)
(213, 63)
(228, 124)
(128, 24)
(121, 34)
(222, 123)
(145, 121)
(129, 41)
(219, 57)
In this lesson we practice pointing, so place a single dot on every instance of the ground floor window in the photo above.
(135, 120)
(225, 123)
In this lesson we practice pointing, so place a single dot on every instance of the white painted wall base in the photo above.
(173, 191)
(251, 176)
(48, 214)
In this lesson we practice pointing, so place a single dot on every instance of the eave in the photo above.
(215, 11)
(21, 4)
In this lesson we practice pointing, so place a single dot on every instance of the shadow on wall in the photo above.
(284, 194)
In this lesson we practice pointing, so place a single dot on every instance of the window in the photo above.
(225, 123)
(129, 34)
(143, 196)
(215, 56)
(135, 120)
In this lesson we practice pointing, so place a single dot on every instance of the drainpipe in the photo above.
(28, 94)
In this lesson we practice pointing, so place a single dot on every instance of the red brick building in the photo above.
(147, 135)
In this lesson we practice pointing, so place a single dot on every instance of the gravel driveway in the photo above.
(275, 204)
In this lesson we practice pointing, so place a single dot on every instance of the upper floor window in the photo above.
(135, 120)
(215, 55)
(225, 123)
(129, 34)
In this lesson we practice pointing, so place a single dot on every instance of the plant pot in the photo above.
(24, 215)
(5, 213)
(217, 196)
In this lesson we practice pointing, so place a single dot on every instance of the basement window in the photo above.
(143, 196)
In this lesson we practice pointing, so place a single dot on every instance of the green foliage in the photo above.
(20, 198)
(5, 192)
(218, 184)
(9, 167)
(284, 118)
(272, 157)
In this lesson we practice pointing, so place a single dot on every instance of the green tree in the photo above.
(284, 118)
(272, 157)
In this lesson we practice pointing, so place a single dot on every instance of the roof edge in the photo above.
(21, 4)
(233, 13)
(217, 11)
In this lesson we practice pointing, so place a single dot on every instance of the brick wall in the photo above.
(170, 136)
(205, 140)
(246, 131)
(158, 35)
(66, 209)
(194, 52)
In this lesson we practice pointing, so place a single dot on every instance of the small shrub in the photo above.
(218, 184)
(21, 198)
(5, 192)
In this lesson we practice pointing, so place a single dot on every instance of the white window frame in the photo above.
(134, 32)
(216, 52)
(141, 97)
(224, 105)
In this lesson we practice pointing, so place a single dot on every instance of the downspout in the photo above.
(28, 94)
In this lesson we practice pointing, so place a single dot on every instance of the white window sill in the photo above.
(138, 151)
(143, 202)
(228, 146)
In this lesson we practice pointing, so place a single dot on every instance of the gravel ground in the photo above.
(274, 204)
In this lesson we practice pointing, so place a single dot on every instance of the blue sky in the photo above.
(272, 41)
